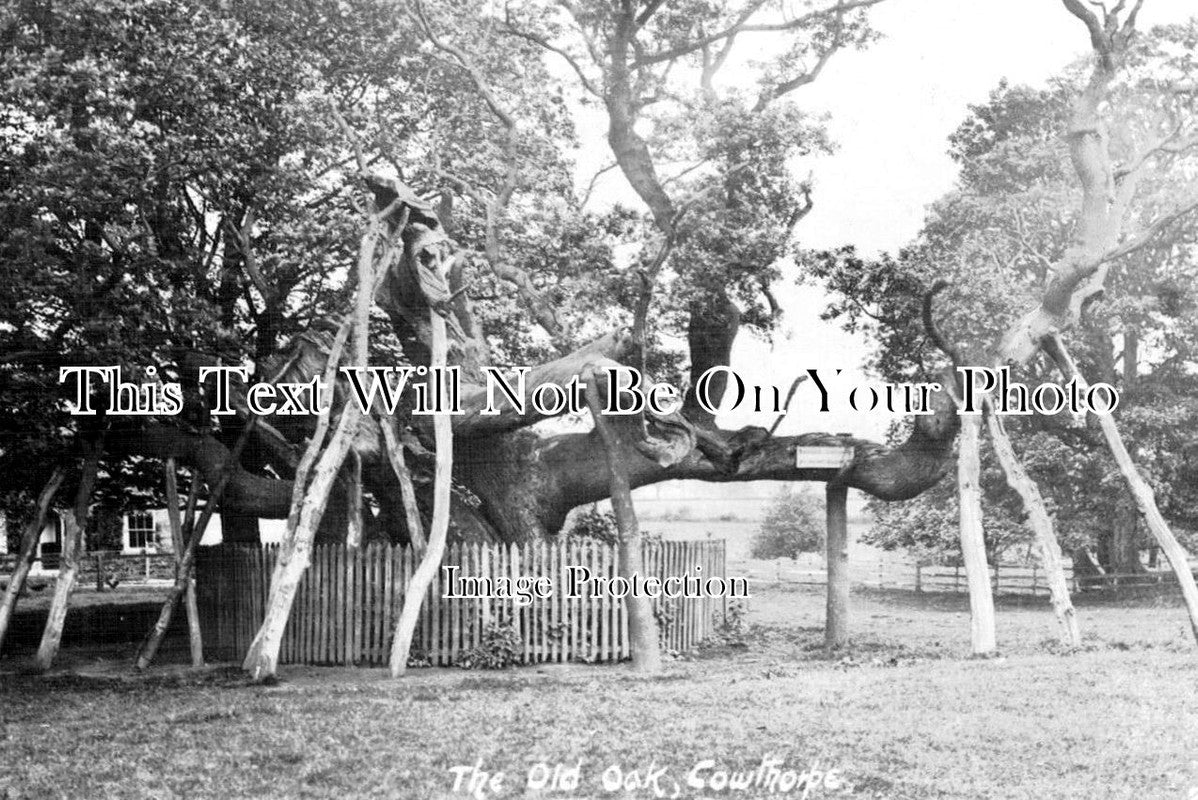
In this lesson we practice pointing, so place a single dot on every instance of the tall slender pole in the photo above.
(29, 538)
(405, 626)
(836, 620)
(1047, 545)
(72, 551)
(973, 544)
(149, 647)
(195, 638)
(1140, 490)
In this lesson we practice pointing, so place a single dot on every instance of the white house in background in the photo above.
(144, 532)
(150, 531)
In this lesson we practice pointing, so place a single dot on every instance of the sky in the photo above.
(890, 111)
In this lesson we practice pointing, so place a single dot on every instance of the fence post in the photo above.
(996, 577)
(724, 571)
(1034, 579)
(918, 578)
(100, 572)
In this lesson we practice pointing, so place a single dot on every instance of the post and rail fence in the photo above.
(902, 574)
(108, 569)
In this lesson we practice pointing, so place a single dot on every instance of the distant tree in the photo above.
(792, 525)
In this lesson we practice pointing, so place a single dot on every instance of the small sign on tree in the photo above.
(823, 457)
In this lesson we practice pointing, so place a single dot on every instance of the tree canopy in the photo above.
(179, 186)
(996, 239)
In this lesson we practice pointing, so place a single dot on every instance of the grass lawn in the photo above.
(904, 714)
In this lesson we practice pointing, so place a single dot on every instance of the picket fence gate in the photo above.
(350, 598)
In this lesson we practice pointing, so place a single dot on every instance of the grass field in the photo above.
(903, 714)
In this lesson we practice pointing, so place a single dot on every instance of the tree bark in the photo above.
(29, 539)
(1041, 523)
(405, 626)
(68, 570)
(1106, 194)
(973, 544)
(528, 484)
(614, 346)
(194, 636)
(836, 620)
(642, 626)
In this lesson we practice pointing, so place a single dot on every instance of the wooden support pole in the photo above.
(1141, 491)
(644, 638)
(179, 543)
(836, 619)
(405, 626)
(407, 491)
(149, 647)
(1047, 545)
(29, 539)
(309, 499)
(973, 545)
(308, 503)
(72, 551)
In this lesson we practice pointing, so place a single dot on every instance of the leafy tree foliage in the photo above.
(793, 524)
(179, 185)
(175, 192)
(994, 238)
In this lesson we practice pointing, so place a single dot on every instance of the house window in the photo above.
(141, 531)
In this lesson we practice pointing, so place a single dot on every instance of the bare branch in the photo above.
(359, 154)
(1098, 37)
(544, 43)
(416, 12)
(243, 237)
(808, 77)
(595, 179)
(407, 491)
(741, 26)
(1149, 233)
(933, 331)
(794, 386)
